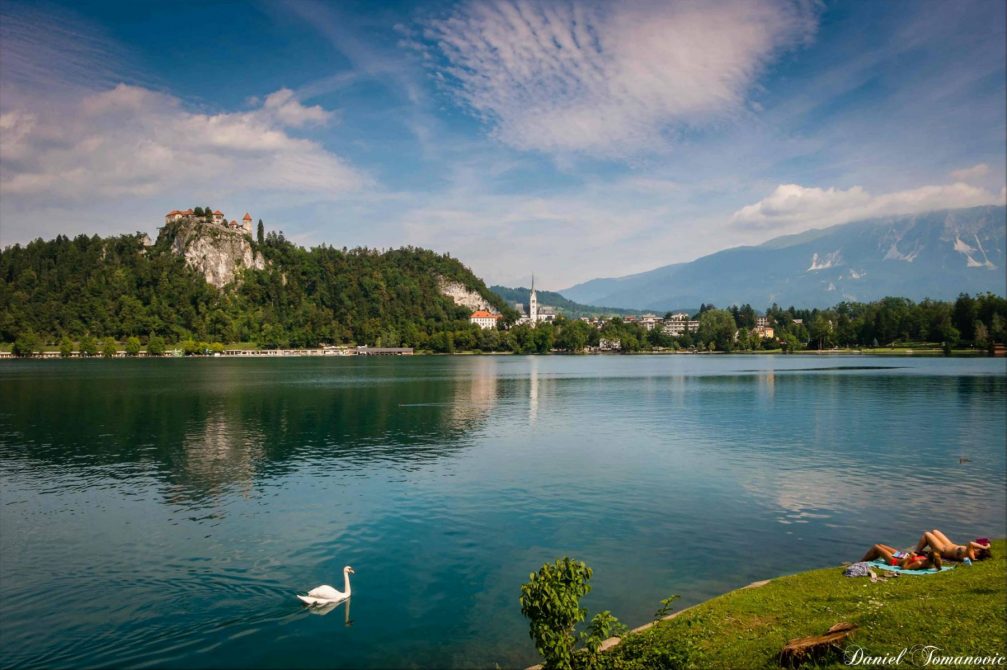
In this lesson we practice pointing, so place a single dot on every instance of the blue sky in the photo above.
(569, 139)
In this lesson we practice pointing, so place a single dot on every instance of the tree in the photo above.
(133, 346)
(573, 336)
(88, 346)
(544, 337)
(964, 316)
(198, 211)
(717, 326)
(981, 335)
(26, 344)
(791, 343)
(65, 347)
(261, 232)
(155, 346)
(821, 331)
(109, 348)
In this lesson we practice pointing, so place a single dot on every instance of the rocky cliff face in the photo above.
(461, 295)
(216, 252)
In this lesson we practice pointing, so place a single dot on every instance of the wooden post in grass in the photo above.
(803, 649)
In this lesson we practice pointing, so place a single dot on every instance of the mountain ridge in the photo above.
(935, 254)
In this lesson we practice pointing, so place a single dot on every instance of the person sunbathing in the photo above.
(907, 560)
(940, 544)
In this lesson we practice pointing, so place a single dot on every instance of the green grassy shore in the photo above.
(963, 612)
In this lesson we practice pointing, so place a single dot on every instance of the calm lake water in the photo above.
(164, 513)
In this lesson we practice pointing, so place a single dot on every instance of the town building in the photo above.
(609, 344)
(484, 319)
(679, 324)
(763, 331)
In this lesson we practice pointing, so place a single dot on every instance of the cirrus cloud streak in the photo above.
(607, 79)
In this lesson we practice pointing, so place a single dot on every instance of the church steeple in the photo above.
(533, 303)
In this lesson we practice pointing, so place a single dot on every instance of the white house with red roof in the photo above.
(246, 223)
(484, 319)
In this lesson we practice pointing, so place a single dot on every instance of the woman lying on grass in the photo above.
(940, 544)
(907, 560)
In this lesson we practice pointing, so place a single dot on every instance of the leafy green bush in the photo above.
(88, 346)
(155, 346)
(65, 347)
(551, 602)
(132, 346)
(109, 348)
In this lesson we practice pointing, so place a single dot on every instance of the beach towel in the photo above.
(860, 569)
(881, 565)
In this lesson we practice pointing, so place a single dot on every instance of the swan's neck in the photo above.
(346, 584)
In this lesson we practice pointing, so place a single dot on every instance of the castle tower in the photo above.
(533, 304)
(246, 224)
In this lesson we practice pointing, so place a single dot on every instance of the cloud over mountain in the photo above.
(792, 207)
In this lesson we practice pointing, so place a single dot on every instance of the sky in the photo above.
(569, 140)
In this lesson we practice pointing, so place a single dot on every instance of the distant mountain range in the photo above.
(553, 299)
(936, 255)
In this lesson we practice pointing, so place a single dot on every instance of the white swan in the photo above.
(325, 594)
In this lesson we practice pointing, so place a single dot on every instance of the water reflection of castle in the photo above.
(243, 436)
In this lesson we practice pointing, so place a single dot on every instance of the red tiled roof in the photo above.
(483, 314)
(218, 213)
(247, 217)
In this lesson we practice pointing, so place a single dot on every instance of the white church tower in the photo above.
(533, 304)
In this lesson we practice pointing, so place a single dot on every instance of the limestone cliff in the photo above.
(461, 295)
(218, 253)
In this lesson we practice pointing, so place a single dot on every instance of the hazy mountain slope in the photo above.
(937, 255)
(553, 299)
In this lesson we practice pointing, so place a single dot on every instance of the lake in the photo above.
(164, 512)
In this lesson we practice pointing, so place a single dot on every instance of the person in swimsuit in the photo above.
(940, 544)
(907, 560)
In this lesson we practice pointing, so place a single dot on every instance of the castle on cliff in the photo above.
(217, 217)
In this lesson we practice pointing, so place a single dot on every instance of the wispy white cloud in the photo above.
(283, 106)
(609, 79)
(794, 208)
(968, 174)
(51, 51)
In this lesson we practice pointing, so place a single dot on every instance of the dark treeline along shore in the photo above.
(90, 293)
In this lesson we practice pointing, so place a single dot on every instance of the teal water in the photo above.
(164, 513)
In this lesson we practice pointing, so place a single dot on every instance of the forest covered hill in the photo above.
(121, 287)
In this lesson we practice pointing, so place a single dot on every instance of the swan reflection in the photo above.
(322, 610)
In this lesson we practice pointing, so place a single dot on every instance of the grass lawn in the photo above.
(963, 611)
